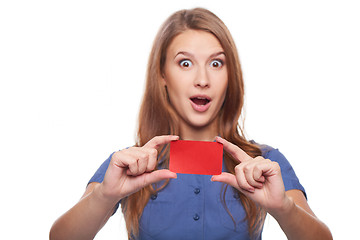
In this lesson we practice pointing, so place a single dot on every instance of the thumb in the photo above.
(227, 178)
(157, 176)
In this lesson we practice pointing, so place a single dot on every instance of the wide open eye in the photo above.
(185, 63)
(216, 63)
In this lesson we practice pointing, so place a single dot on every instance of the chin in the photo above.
(200, 122)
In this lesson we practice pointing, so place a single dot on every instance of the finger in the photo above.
(268, 168)
(142, 162)
(160, 140)
(132, 165)
(124, 159)
(252, 174)
(242, 180)
(137, 160)
(234, 150)
(152, 159)
(258, 175)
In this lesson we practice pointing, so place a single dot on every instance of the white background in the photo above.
(72, 75)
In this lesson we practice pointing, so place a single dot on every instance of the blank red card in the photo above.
(196, 157)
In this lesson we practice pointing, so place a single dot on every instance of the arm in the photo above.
(129, 171)
(298, 221)
(86, 218)
(260, 180)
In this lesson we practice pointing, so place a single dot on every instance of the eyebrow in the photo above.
(191, 55)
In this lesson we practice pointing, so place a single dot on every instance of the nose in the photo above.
(202, 79)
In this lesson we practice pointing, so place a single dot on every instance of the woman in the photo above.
(194, 91)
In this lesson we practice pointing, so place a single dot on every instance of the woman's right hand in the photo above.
(133, 168)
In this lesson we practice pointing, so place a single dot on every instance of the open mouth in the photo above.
(200, 100)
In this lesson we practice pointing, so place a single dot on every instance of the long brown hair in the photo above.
(157, 117)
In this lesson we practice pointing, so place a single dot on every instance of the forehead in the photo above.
(195, 41)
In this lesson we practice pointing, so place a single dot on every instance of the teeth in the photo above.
(202, 98)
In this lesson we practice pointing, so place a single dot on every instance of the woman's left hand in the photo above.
(257, 178)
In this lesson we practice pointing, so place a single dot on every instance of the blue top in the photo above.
(190, 206)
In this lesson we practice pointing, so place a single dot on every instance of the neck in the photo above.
(206, 133)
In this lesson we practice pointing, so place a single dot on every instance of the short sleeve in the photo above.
(100, 174)
(290, 179)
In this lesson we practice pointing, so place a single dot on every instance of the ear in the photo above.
(163, 79)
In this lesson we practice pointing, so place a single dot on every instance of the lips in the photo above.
(200, 103)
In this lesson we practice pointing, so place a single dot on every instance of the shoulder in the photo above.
(290, 179)
(270, 152)
(100, 172)
(266, 150)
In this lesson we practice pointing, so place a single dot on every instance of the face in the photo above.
(196, 78)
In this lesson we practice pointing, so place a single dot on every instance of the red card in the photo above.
(196, 157)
